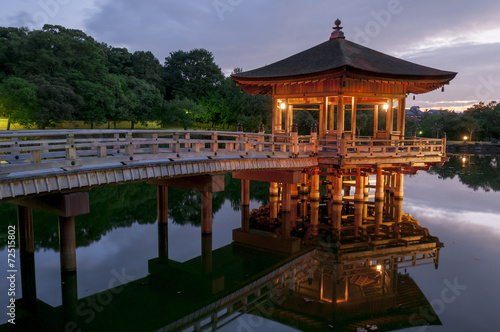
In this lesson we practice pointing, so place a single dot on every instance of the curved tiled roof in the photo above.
(339, 57)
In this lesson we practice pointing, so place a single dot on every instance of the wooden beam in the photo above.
(63, 205)
(290, 177)
(205, 183)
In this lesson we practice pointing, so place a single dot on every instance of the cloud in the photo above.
(453, 35)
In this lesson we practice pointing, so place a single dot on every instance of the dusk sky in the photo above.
(459, 35)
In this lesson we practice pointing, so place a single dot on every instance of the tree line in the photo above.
(57, 74)
(480, 122)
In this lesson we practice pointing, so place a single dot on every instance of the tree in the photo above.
(470, 124)
(57, 101)
(143, 99)
(181, 111)
(191, 75)
(99, 102)
(18, 101)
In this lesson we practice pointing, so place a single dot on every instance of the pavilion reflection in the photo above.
(325, 283)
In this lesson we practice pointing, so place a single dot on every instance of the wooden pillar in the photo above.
(375, 120)
(245, 205)
(401, 117)
(304, 192)
(206, 253)
(332, 114)
(389, 123)
(162, 209)
(314, 204)
(289, 119)
(67, 244)
(353, 116)
(366, 195)
(69, 292)
(295, 200)
(340, 116)
(206, 212)
(322, 122)
(379, 200)
(286, 213)
(27, 255)
(398, 198)
(273, 200)
(358, 202)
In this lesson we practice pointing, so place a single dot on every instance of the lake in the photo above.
(118, 250)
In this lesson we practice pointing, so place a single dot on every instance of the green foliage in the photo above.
(18, 100)
(74, 77)
(192, 74)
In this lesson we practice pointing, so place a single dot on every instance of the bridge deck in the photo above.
(35, 162)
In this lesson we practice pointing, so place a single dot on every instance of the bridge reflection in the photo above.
(345, 286)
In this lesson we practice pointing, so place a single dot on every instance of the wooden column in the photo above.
(375, 120)
(398, 198)
(332, 115)
(304, 192)
(206, 212)
(322, 122)
(379, 200)
(366, 196)
(69, 292)
(353, 116)
(206, 253)
(67, 244)
(273, 200)
(295, 200)
(314, 204)
(340, 116)
(162, 210)
(245, 205)
(401, 117)
(286, 213)
(358, 202)
(27, 255)
(389, 123)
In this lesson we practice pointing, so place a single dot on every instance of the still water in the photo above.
(118, 243)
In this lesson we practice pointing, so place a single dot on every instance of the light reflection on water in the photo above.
(467, 221)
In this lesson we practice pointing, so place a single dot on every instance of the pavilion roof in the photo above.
(337, 58)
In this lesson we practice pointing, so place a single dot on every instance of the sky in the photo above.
(455, 35)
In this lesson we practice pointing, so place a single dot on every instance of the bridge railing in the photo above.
(369, 147)
(22, 151)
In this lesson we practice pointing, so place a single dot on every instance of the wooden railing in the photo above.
(368, 147)
(24, 151)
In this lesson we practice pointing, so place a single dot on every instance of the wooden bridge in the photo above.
(37, 162)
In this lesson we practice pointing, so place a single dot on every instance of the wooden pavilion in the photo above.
(339, 75)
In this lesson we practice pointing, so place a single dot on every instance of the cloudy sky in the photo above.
(459, 35)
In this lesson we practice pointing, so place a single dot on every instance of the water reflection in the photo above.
(474, 171)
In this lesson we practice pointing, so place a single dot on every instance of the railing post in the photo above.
(70, 147)
(295, 140)
(117, 139)
(214, 143)
(261, 139)
(176, 147)
(129, 146)
(187, 137)
(154, 147)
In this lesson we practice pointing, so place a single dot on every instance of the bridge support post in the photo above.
(67, 243)
(294, 205)
(245, 205)
(273, 200)
(286, 214)
(27, 255)
(206, 253)
(336, 206)
(359, 202)
(162, 209)
(398, 201)
(206, 212)
(304, 191)
(379, 200)
(315, 204)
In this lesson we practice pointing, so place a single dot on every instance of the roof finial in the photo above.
(337, 33)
